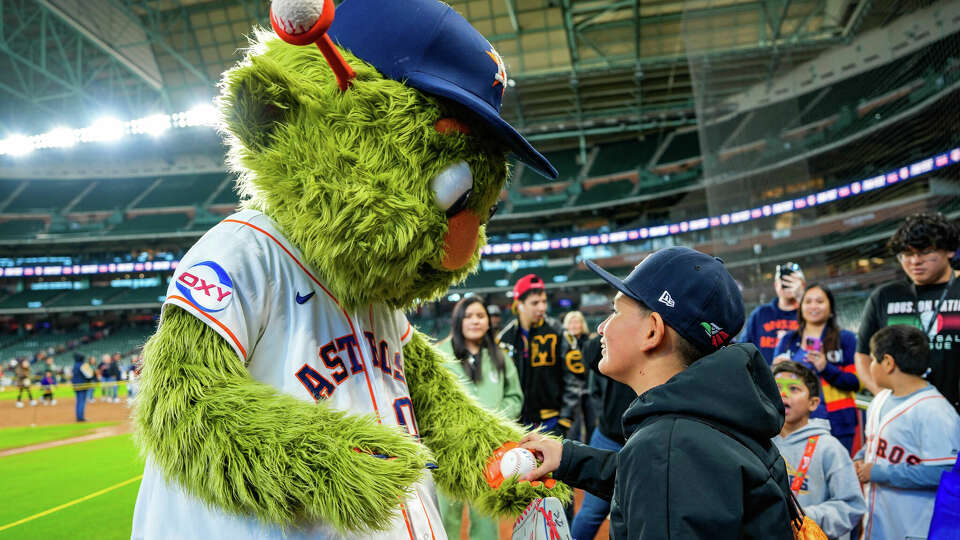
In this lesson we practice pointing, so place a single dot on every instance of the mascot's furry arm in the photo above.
(246, 448)
(462, 435)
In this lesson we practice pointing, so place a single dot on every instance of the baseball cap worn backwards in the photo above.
(526, 283)
(692, 291)
(427, 45)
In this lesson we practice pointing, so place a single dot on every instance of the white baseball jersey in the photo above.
(923, 430)
(247, 282)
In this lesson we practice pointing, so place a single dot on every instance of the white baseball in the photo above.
(516, 462)
(297, 16)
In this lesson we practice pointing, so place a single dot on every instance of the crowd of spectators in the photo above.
(86, 375)
(546, 375)
(907, 348)
(821, 370)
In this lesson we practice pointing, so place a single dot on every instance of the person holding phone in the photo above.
(769, 322)
(820, 345)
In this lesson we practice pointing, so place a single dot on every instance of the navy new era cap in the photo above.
(692, 291)
(427, 45)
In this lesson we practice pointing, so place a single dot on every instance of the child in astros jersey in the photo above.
(284, 393)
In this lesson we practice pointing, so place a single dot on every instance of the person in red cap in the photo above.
(550, 377)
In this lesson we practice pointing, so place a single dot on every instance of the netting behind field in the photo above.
(857, 128)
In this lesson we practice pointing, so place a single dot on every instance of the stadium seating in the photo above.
(30, 299)
(151, 223)
(482, 280)
(185, 190)
(581, 275)
(564, 160)
(682, 147)
(716, 134)
(650, 183)
(605, 191)
(538, 204)
(28, 345)
(93, 296)
(144, 295)
(7, 187)
(226, 196)
(21, 228)
(46, 195)
(622, 156)
(549, 274)
(112, 194)
(124, 341)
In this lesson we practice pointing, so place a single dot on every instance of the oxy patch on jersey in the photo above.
(206, 285)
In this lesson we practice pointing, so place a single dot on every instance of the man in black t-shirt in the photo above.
(929, 299)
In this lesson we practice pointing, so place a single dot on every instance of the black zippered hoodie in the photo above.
(698, 462)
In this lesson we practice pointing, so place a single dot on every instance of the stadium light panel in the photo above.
(202, 115)
(104, 129)
(108, 129)
(16, 145)
(154, 125)
(60, 137)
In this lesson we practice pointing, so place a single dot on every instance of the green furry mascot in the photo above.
(284, 393)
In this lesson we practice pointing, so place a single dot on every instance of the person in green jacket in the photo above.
(477, 361)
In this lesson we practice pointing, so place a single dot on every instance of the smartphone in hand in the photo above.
(812, 344)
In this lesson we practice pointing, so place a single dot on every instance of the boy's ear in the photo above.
(888, 364)
(656, 334)
(814, 403)
(257, 98)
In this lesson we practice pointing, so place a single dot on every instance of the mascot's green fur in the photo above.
(346, 178)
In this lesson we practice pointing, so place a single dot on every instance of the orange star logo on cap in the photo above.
(501, 76)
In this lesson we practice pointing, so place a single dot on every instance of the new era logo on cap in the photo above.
(666, 299)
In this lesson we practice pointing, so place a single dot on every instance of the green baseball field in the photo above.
(80, 490)
(66, 479)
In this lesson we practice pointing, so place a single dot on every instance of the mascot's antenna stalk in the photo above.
(302, 22)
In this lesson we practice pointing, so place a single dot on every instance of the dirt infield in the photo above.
(61, 413)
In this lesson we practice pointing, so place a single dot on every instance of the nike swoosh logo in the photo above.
(305, 299)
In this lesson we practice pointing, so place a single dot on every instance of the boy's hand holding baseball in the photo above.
(547, 450)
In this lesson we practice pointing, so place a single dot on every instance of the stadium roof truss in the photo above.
(579, 68)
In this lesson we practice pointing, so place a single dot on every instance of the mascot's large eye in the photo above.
(452, 188)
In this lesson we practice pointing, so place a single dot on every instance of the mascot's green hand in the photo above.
(513, 496)
(240, 445)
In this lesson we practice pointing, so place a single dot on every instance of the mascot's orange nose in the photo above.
(461, 240)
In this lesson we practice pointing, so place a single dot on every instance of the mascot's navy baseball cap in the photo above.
(692, 291)
(427, 45)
